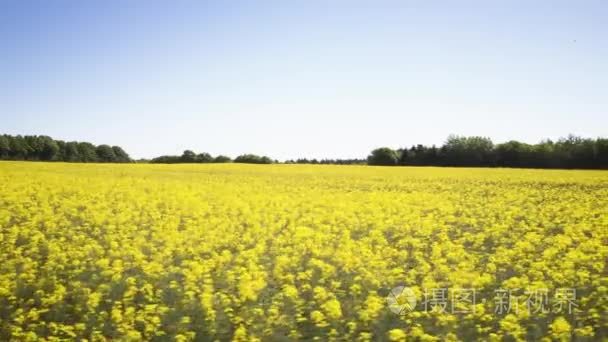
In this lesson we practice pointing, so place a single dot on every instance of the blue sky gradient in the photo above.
(296, 79)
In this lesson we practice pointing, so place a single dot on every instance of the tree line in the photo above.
(571, 152)
(328, 161)
(475, 151)
(188, 156)
(44, 148)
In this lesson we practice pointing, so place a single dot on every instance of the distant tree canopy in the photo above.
(222, 159)
(253, 159)
(566, 153)
(383, 156)
(475, 151)
(188, 156)
(328, 161)
(44, 148)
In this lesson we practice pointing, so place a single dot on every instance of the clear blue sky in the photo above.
(301, 78)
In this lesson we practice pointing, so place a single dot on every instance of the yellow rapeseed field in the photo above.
(285, 252)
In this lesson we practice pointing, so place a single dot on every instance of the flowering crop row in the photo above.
(279, 252)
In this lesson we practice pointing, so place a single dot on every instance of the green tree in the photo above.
(121, 155)
(105, 153)
(204, 158)
(87, 152)
(188, 157)
(222, 159)
(18, 148)
(252, 159)
(48, 148)
(5, 147)
(33, 147)
(383, 156)
(468, 151)
(601, 153)
(513, 153)
(71, 152)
